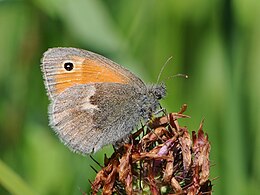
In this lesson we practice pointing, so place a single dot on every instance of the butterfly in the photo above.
(93, 100)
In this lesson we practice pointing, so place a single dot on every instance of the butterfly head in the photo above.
(158, 90)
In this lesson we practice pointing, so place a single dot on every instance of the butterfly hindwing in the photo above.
(88, 116)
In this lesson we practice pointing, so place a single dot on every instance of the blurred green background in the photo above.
(217, 43)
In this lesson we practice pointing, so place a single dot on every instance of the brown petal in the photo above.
(185, 142)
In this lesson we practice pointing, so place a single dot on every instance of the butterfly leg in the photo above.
(161, 110)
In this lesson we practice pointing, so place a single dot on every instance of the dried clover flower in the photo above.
(164, 160)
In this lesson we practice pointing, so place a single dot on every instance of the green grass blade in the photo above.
(12, 182)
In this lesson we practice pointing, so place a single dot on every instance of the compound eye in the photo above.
(68, 66)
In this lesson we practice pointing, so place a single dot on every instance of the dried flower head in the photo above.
(164, 160)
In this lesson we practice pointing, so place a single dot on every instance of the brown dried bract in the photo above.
(164, 161)
(201, 150)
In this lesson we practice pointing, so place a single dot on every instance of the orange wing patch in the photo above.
(86, 71)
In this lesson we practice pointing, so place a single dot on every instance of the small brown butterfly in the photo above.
(94, 101)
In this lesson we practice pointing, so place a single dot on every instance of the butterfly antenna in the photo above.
(159, 75)
(177, 75)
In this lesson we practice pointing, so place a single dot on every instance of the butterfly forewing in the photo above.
(86, 67)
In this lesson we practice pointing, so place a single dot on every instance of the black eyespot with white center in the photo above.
(68, 66)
